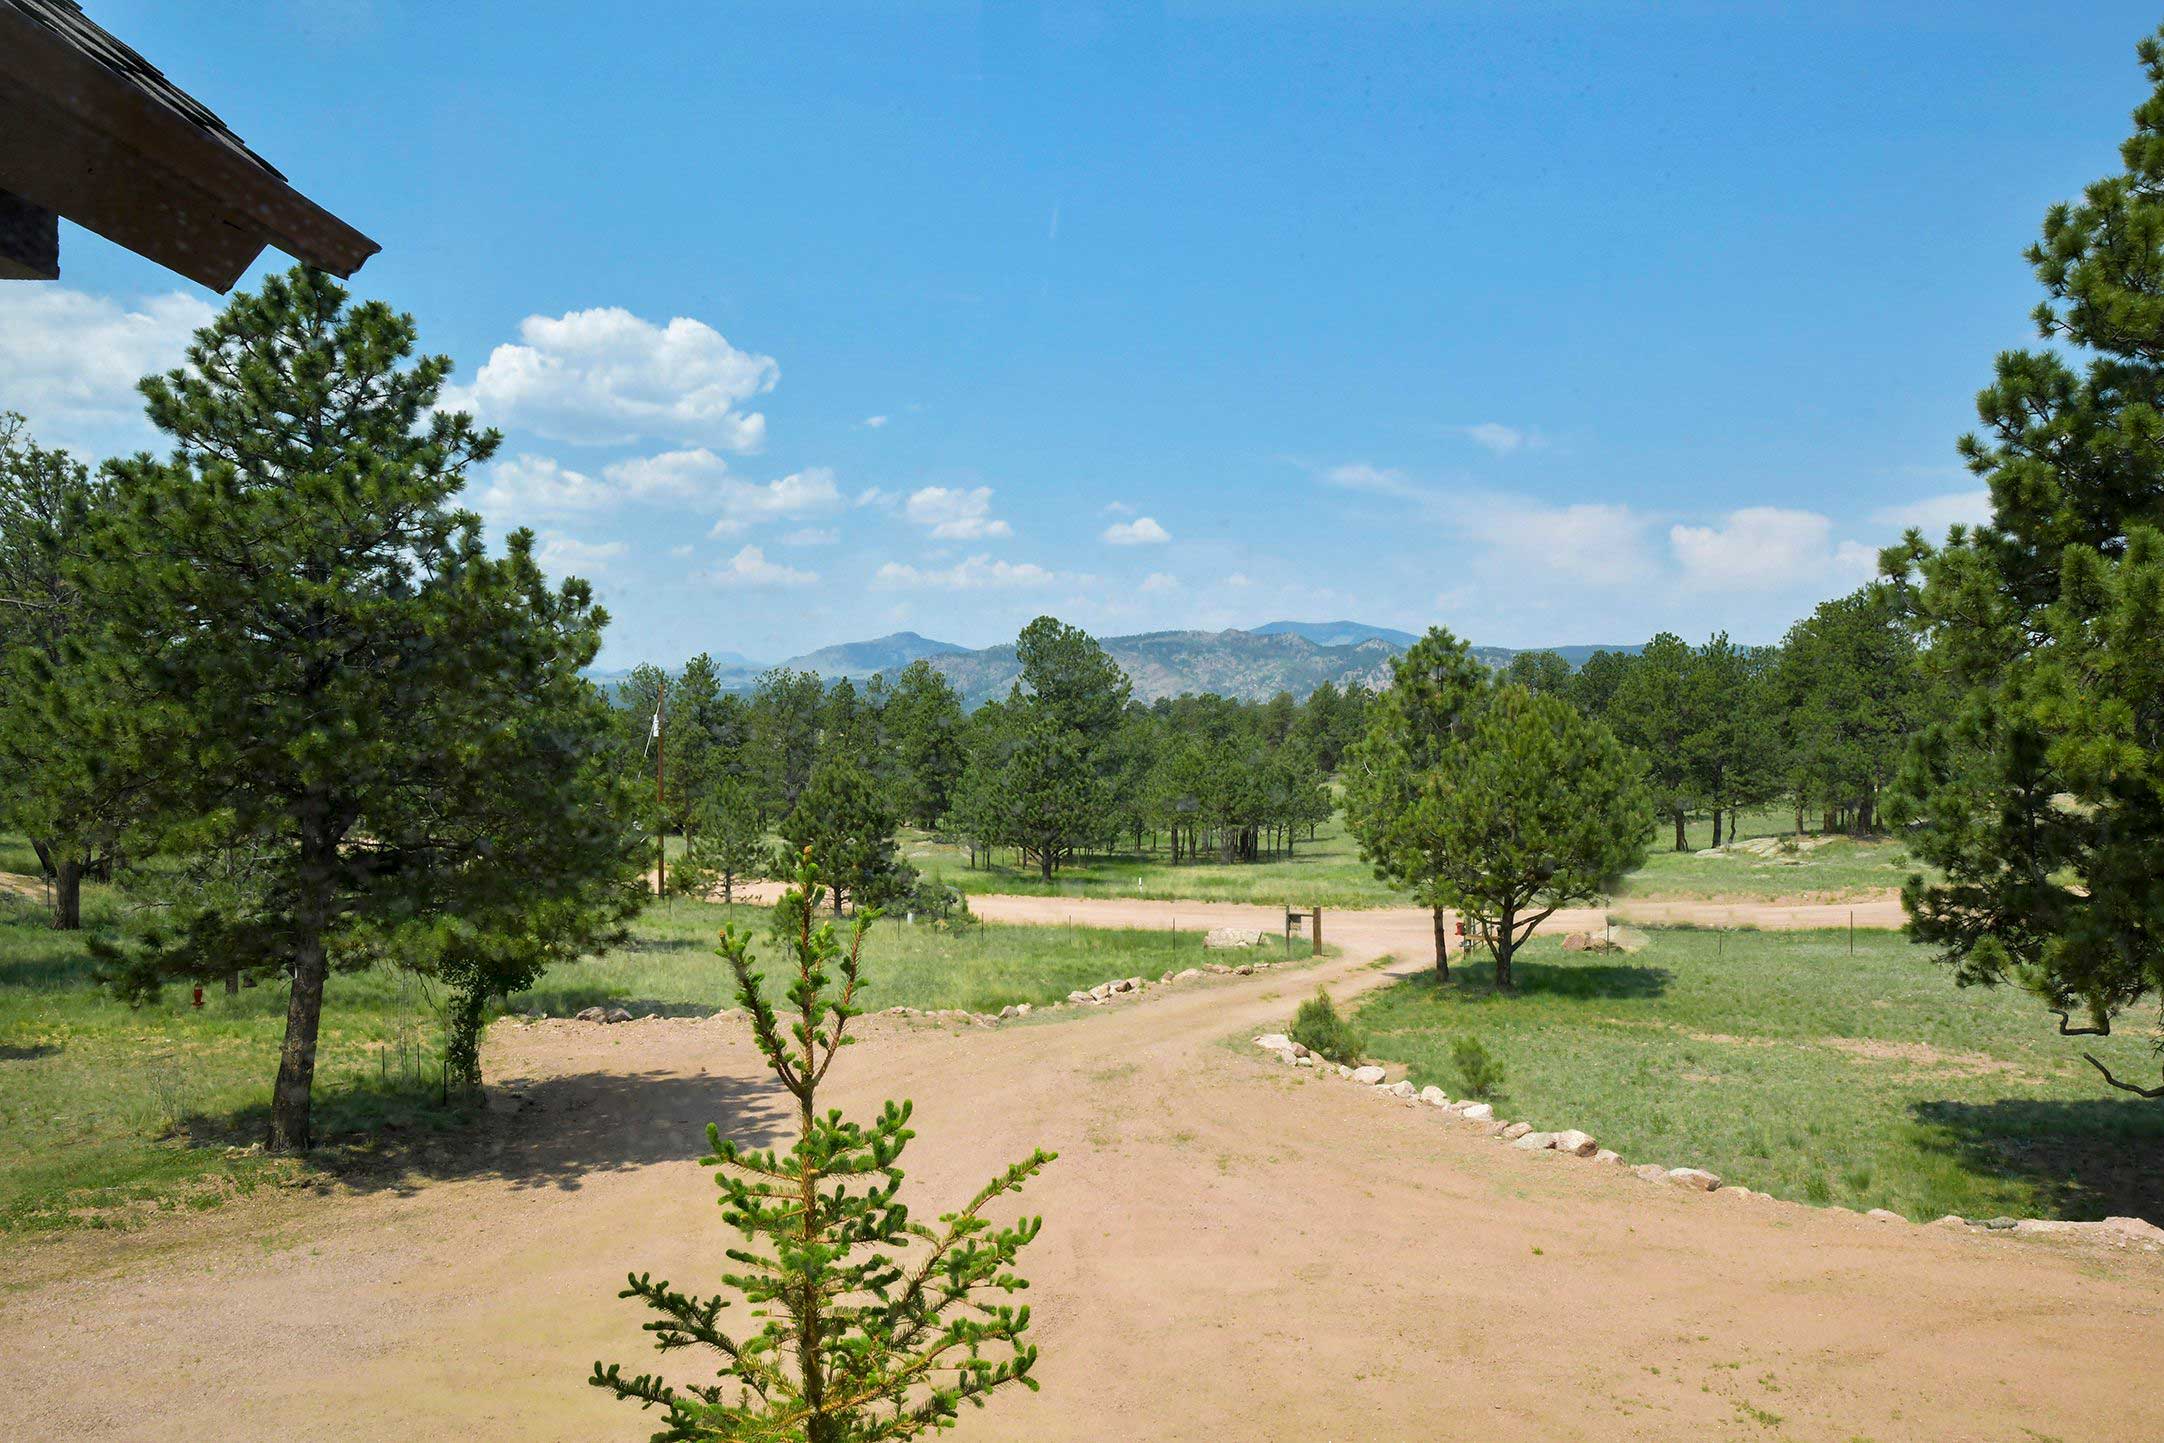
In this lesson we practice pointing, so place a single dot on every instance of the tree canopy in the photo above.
(2039, 793)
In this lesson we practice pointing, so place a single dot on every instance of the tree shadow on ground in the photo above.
(12, 1052)
(1474, 979)
(2102, 1157)
(551, 1133)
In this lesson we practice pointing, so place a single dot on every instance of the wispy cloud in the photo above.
(977, 573)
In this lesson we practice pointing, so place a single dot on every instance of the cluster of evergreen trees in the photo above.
(1817, 723)
(1067, 763)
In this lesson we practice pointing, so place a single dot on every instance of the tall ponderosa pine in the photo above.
(341, 676)
(1393, 806)
(2041, 796)
(876, 1326)
(74, 762)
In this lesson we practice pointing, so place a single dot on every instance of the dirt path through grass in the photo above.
(1232, 1248)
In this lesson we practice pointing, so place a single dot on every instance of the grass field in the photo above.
(1328, 871)
(1784, 1064)
(1829, 868)
(107, 1110)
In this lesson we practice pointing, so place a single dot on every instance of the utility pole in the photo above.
(661, 801)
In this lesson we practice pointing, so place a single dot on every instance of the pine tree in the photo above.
(727, 845)
(74, 761)
(1415, 729)
(340, 675)
(1540, 808)
(2040, 794)
(844, 821)
(875, 1325)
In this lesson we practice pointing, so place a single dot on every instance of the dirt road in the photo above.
(1233, 1249)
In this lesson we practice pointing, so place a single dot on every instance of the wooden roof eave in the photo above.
(218, 205)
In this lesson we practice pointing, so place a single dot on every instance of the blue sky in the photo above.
(1551, 323)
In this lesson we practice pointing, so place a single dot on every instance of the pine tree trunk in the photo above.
(292, 1094)
(1716, 826)
(1442, 945)
(1681, 843)
(68, 895)
(1504, 945)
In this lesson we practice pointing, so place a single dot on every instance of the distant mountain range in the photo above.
(1291, 656)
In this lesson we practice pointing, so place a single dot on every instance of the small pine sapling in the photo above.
(875, 1326)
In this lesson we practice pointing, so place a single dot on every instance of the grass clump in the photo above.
(1480, 1073)
(1322, 1029)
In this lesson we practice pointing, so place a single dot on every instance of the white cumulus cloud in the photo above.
(1158, 581)
(608, 376)
(69, 361)
(956, 513)
(978, 573)
(750, 568)
(1142, 531)
(1765, 548)
(810, 492)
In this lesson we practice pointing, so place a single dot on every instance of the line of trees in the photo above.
(1816, 724)
(1067, 763)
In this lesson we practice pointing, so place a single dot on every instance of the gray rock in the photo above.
(618, 1014)
(1516, 1130)
(1609, 1156)
(1479, 1112)
(1369, 1074)
(1305, 1059)
(1650, 1172)
(1694, 1177)
(593, 1014)
(1402, 1088)
(1885, 1215)
(1433, 1096)
(1186, 974)
(1080, 996)
(1273, 1041)
(1245, 969)
(1534, 1141)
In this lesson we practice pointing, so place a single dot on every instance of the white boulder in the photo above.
(1371, 1074)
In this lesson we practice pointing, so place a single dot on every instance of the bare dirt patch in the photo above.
(1231, 1248)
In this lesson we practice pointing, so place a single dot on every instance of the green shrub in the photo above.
(1319, 1028)
(1480, 1072)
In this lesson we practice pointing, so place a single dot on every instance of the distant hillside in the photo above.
(1242, 664)
(860, 659)
(1290, 656)
(1337, 633)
